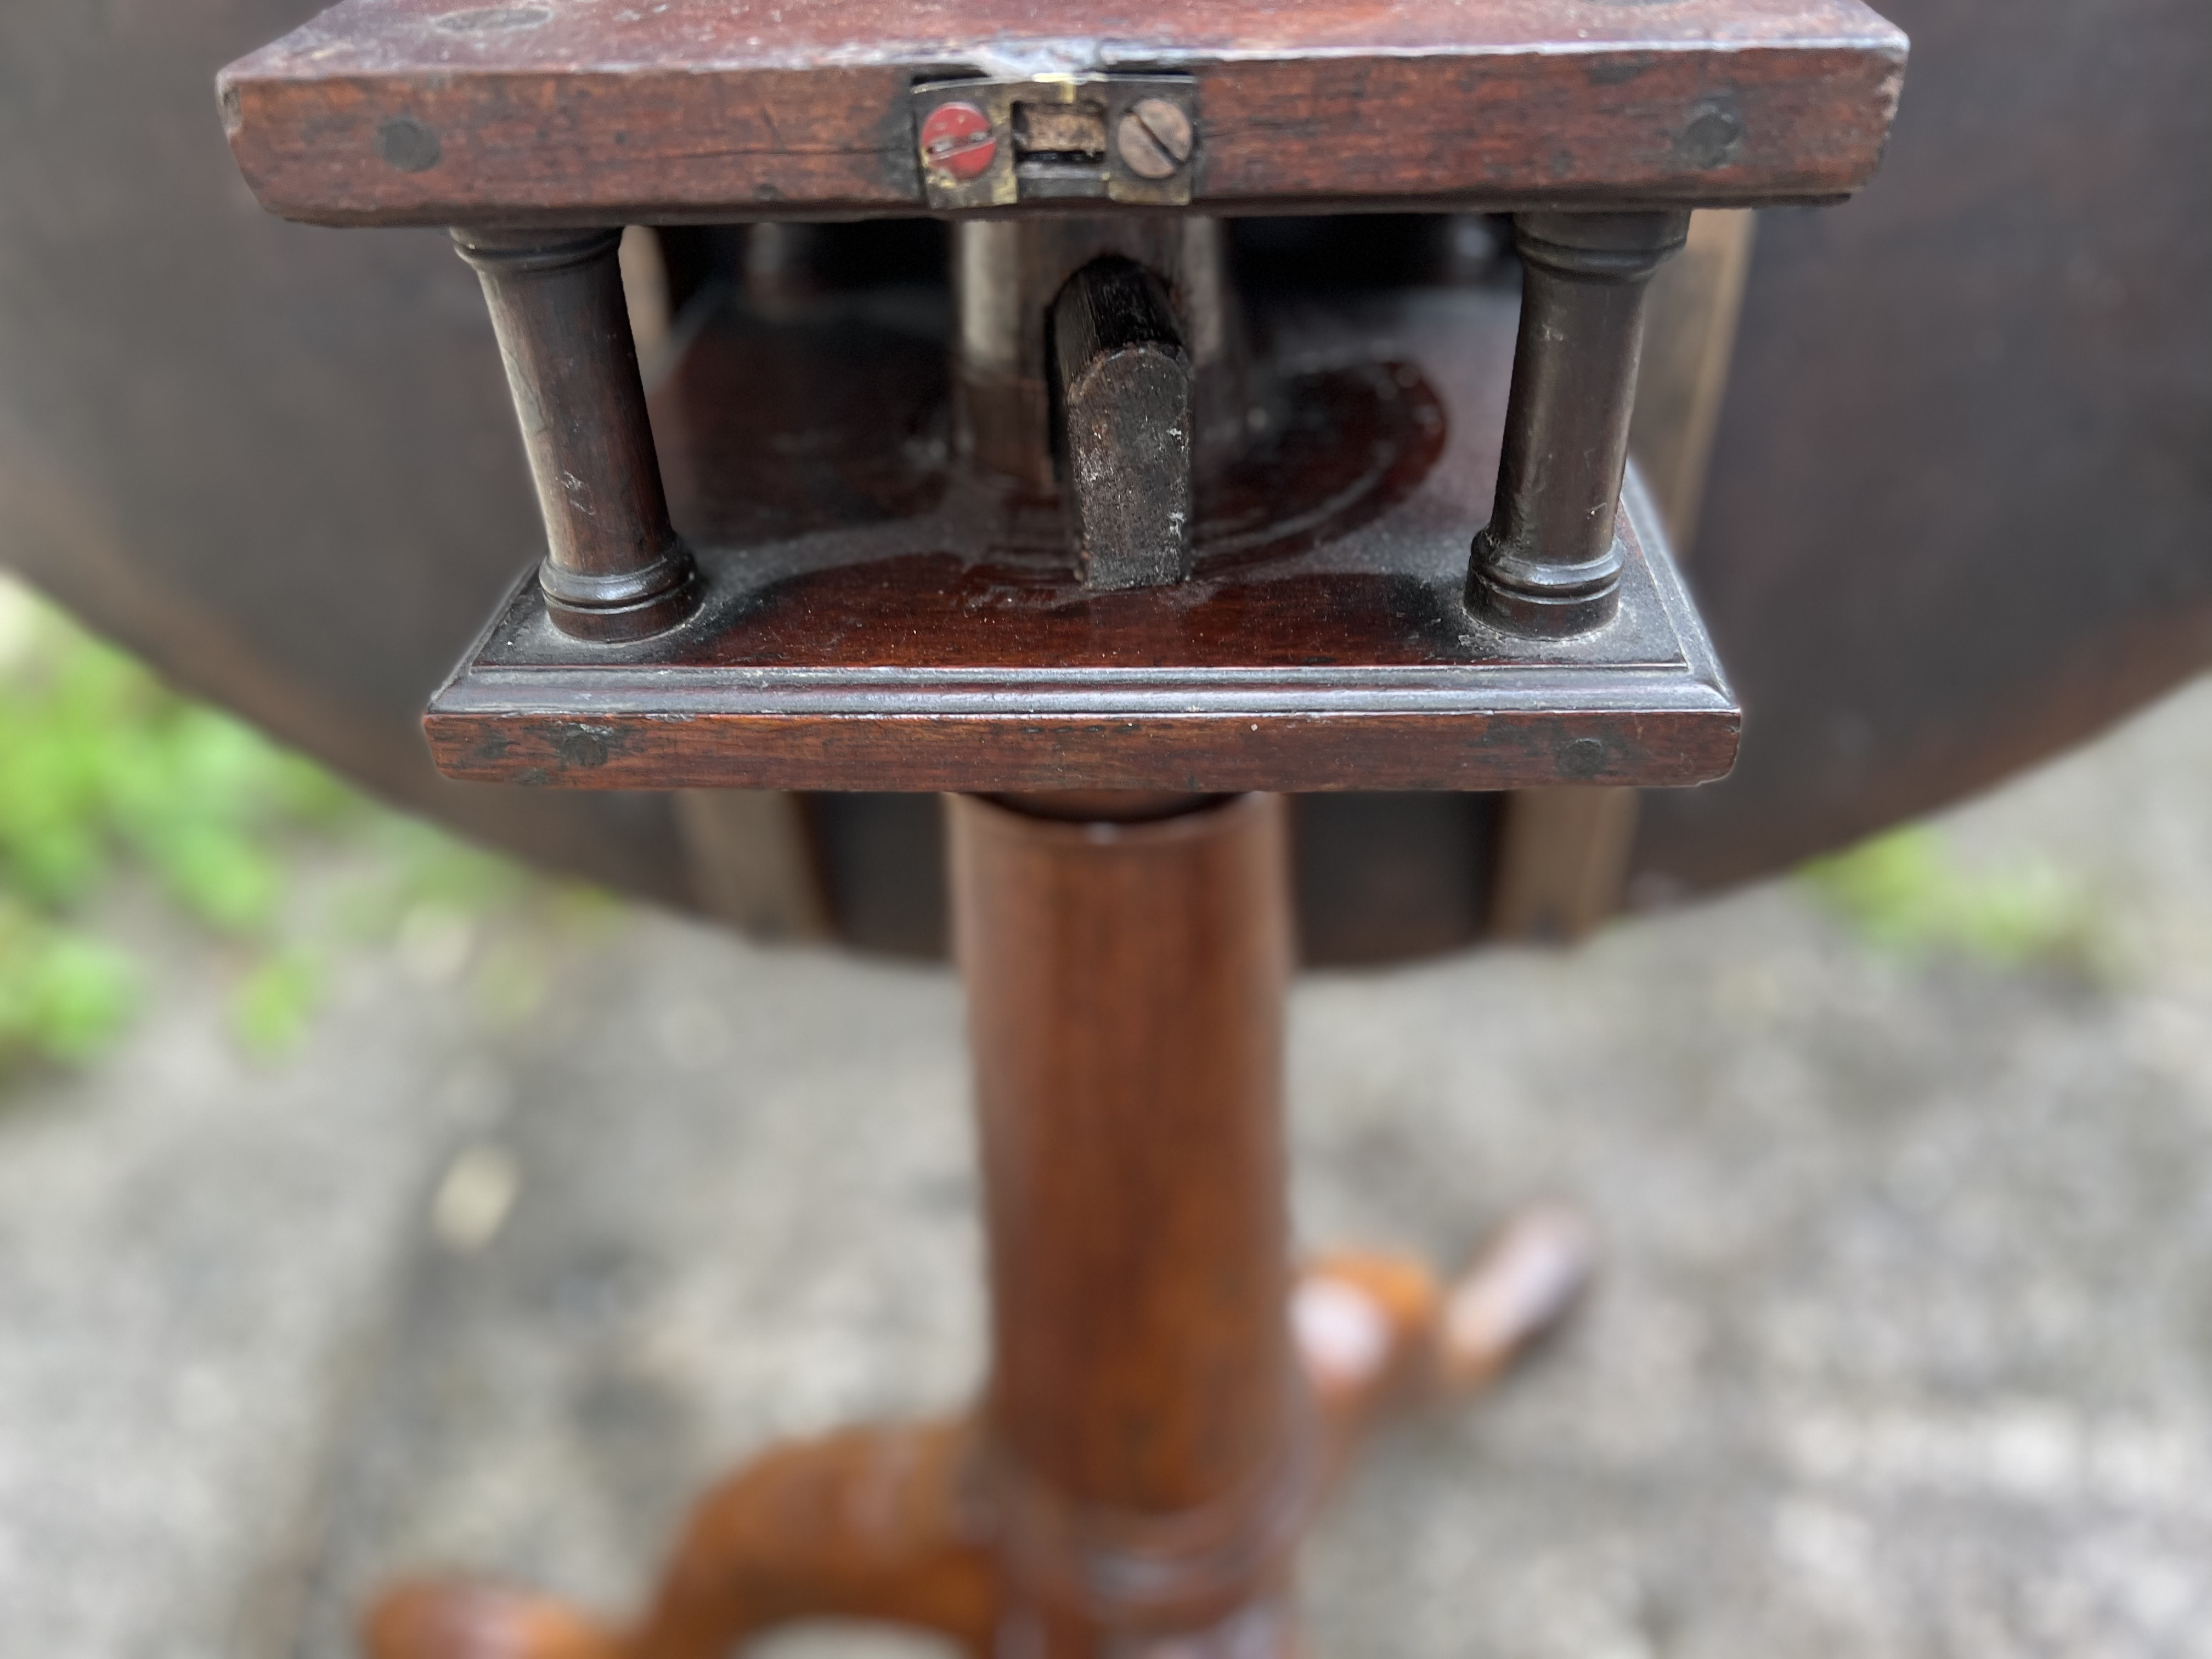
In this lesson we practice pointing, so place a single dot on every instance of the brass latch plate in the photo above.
(1096, 135)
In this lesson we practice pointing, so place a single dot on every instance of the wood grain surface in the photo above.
(419, 111)
(1126, 984)
(875, 620)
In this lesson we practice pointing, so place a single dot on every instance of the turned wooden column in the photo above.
(1549, 561)
(614, 568)
(1147, 1443)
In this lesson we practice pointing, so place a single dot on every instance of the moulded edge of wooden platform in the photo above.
(1562, 716)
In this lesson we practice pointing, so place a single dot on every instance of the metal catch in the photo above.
(1095, 136)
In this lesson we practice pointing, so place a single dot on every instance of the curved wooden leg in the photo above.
(1377, 1331)
(458, 1619)
(875, 1522)
(869, 1523)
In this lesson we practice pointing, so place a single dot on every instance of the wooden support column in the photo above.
(1164, 1405)
(1548, 563)
(614, 568)
(1150, 1449)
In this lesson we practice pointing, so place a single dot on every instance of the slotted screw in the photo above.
(1154, 138)
(956, 139)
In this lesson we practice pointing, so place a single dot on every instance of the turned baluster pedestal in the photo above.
(1166, 1400)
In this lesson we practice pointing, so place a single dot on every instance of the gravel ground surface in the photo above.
(1904, 1347)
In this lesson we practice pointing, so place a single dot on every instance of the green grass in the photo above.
(107, 776)
(1907, 894)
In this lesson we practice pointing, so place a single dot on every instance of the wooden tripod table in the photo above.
(1105, 549)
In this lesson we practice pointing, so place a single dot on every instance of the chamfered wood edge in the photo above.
(1446, 727)
(1305, 754)
(1569, 126)
(1504, 727)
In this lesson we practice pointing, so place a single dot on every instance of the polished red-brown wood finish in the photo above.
(1126, 985)
(421, 111)
(879, 617)
(1165, 1404)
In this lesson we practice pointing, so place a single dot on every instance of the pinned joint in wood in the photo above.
(1549, 561)
(1124, 392)
(614, 568)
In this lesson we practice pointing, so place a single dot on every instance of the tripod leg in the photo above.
(868, 1523)
(1377, 1331)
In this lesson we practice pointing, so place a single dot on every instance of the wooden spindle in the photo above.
(1548, 563)
(614, 568)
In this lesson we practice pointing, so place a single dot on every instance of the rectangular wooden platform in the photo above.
(428, 112)
(876, 622)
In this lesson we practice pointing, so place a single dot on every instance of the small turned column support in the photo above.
(614, 568)
(1549, 561)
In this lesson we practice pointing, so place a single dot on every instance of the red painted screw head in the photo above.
(956, 139)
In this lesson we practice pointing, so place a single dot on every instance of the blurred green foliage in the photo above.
(106, 774)
(1906, 892)
(62, 993)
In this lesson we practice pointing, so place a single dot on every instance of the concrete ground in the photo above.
(1904, 1346)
